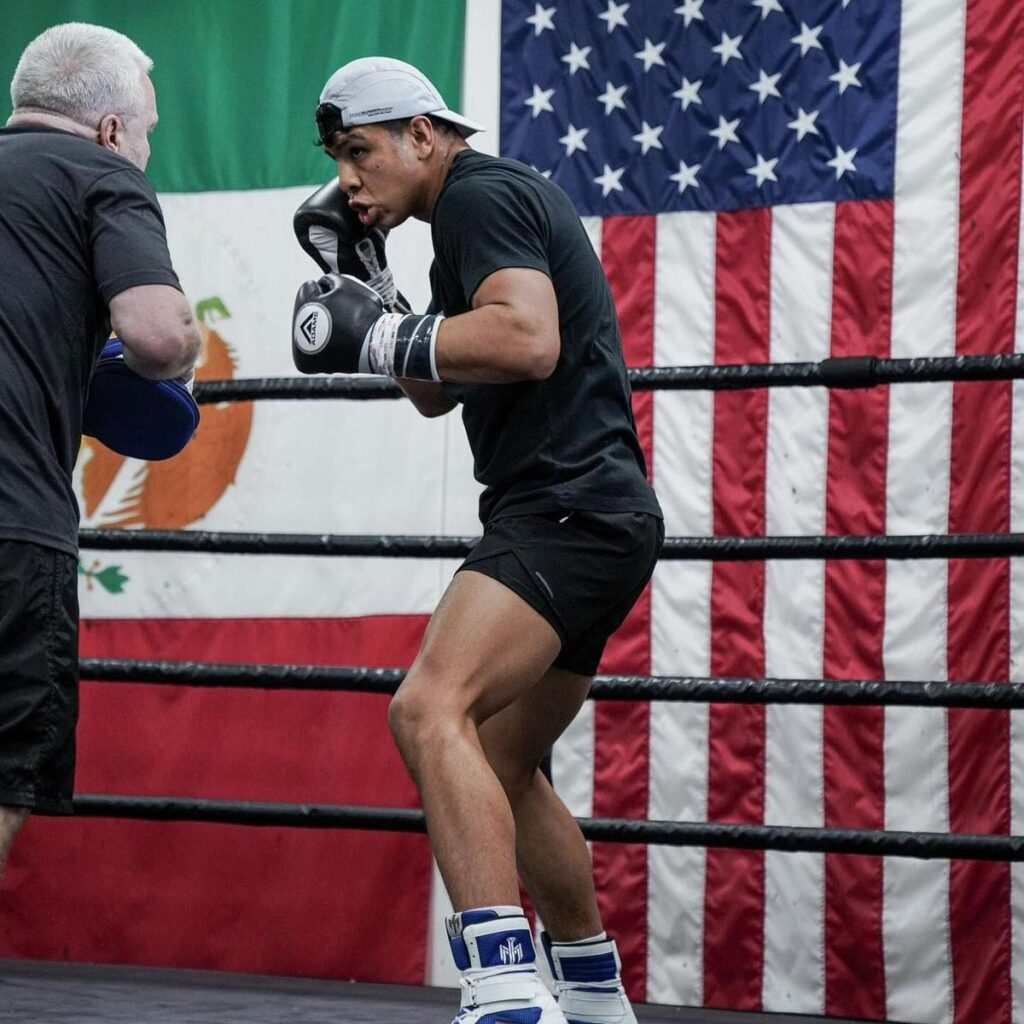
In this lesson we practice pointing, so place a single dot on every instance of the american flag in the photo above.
(775, 180)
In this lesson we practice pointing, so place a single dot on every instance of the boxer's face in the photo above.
(386, 173)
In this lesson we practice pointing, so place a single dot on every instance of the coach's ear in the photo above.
(110, 131)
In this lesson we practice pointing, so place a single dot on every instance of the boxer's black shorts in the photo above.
(582, 571)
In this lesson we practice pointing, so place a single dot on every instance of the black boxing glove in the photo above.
(340, 325)
(331, 232)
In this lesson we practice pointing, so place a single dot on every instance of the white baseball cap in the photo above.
(375, 89)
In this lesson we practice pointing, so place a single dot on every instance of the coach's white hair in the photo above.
(83, 72)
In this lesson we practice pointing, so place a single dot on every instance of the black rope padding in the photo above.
(922, 845)
(294, 387)
(236, 812)
(698, 689)
(743, 549)
(841, 372)
(711, 549)
(243, 676)
(368, 546)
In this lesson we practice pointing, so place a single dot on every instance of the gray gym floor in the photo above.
(52, 993)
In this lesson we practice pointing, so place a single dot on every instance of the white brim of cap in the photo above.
(464, 125)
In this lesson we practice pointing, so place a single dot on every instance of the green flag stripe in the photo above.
(237, 81)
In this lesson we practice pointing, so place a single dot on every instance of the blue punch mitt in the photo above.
(135, 416)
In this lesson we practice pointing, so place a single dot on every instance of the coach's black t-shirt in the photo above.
(78, 225)
(569, 441)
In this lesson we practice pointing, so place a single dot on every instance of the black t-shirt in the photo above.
(569, 441)
(78, 225)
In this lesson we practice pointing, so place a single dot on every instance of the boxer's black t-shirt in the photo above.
(568, 441)
(78, 225)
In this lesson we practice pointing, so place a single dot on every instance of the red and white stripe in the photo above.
(621, 731)
(915, 910)
(684, 334)
(794, 614)
(979, 592)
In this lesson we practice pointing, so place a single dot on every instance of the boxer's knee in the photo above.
(421, 716)
(405, 718)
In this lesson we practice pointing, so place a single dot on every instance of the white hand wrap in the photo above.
(403, 345)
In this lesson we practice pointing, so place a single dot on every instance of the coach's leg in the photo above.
(553, 859)
(11, 819)
(483, 649)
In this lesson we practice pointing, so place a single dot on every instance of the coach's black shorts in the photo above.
(38, 676)
(582, 571)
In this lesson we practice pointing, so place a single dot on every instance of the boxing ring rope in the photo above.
(690, 689)
(920, 845)
(841, 372)
(700, 549)
(848, 372)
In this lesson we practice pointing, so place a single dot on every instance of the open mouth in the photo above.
(366, 214)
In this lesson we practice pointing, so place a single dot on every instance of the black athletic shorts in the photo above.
(38, 676)
(582, 571)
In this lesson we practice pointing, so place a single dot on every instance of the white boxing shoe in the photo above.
(507, 997)
(493, 947)
(587, 981)
(594, 1004)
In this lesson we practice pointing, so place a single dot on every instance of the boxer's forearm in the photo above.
(429, 399)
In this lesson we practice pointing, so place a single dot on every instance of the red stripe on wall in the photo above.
(734, 884)
(979, 500)
(854, 784)
(326, 903)
(622, 731)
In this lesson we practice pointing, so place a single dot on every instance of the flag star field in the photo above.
(702, 105)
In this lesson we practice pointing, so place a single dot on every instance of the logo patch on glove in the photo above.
(312, 327)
